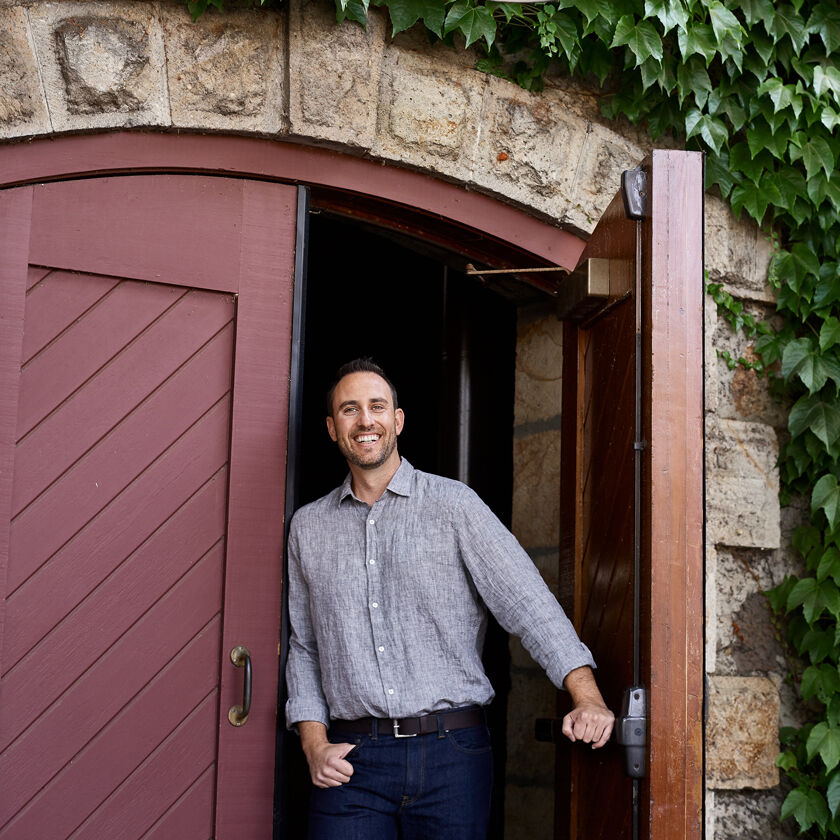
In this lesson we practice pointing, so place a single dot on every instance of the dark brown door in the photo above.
(145, 371)
(599, 533)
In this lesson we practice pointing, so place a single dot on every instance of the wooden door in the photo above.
(144, 373)
(594, 795)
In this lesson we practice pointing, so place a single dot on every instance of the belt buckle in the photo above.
(397, 730)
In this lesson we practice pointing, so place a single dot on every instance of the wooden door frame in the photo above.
(672, 493)
(675, 466)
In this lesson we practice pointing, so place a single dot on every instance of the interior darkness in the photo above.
(448, 344)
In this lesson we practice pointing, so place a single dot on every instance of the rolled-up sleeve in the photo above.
(303, 671)
(513, 590)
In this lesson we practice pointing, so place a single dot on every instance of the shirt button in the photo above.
(372, 562)
(374, 605)
(371, 521)
(381, 649)
(390, 691)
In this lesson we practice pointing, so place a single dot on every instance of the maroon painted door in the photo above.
(664, 302)
(144, 372)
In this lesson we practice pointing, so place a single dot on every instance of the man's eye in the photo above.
(377, 407)
(350, 410)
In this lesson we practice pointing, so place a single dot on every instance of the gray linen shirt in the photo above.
(387, 603)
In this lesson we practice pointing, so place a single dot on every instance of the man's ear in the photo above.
(399, 420)
(331, 429)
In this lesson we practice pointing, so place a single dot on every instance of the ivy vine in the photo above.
(756, 85)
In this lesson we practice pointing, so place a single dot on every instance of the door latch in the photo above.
(632, 731)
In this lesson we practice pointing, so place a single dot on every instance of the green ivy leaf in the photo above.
(786, 21)
(671, 13)
(697, 38)
(822, 418)
(472, 21)
(639, 36)
(718, 171)
(807, 807)
(826, 497)
(827, 80)
(786, 760)
(832, 793)
(405, 13)
(799, 358)
(824, 741)
(816, 155)
(829, 333)
(352, 10)
(825, 22)
(829, 565)
(724, 23)
(756, 11)
(820, 681)
(692, 77)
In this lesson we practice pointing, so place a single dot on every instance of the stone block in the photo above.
(743, 629)
(226, 71)
(740, 393)
(751, 815)
(526, 144)
(536, 489)
(334, 75)
(742, 738)
(102, 65)
(539, 366)
(428, 117)
(711, 633)
(742, 484)
(597, 174)
(23, 108)
(737, 253)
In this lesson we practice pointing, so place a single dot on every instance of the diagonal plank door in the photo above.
(598, 508)
(145, 364)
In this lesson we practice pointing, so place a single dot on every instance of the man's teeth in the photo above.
(367, 438)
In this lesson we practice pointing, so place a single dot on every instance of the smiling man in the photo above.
(390, 579)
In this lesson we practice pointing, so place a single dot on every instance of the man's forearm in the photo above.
(313, 734)
(581, 685)
(590, 721)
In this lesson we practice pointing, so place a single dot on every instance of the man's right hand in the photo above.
(327, 766)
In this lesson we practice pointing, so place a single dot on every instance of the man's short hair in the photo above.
(365, 365)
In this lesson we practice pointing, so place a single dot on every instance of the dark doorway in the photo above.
(449, 345)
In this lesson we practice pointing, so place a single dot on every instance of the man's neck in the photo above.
(369, 485)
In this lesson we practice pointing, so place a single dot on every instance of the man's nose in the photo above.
(365, 418)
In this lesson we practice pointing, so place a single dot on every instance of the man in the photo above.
(390, 576)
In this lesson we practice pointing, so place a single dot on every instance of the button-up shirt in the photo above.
(388, 603)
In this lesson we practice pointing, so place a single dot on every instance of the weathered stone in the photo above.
(742, 739)
(742, 484)
(711, 626)
(23, 109)
(740, 393)
(526, 144)
(597, 176)
(752, 815)
(226, 72)
(333, 75)
(536, 489)
(710, 323)
(539, 366)
(427, 117)
(736, 253)
(102, 65)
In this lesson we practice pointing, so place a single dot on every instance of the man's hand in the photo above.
(590, 721)
(327, 766)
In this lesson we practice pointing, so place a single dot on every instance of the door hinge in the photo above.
(634, 193)
(631, 732)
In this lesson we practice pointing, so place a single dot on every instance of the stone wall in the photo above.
(294, 76)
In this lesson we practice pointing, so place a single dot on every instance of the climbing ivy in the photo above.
(756, 85)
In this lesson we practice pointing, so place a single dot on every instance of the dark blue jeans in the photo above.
(432, 786)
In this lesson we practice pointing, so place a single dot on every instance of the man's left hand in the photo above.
(589, 722)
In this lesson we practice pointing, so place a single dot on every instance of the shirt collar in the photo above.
(400, 482)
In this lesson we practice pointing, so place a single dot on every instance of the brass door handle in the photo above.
(241, 656)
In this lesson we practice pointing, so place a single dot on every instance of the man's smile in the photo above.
(366, 438)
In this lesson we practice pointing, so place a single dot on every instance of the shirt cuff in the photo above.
(298, 710)
(558, 670)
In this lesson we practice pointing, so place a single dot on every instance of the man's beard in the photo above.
(358, 460)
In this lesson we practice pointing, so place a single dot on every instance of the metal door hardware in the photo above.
(631, 731)
(241, 657)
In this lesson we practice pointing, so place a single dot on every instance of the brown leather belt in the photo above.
(412, 726)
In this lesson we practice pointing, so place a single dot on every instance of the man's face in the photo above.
(364, 423)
